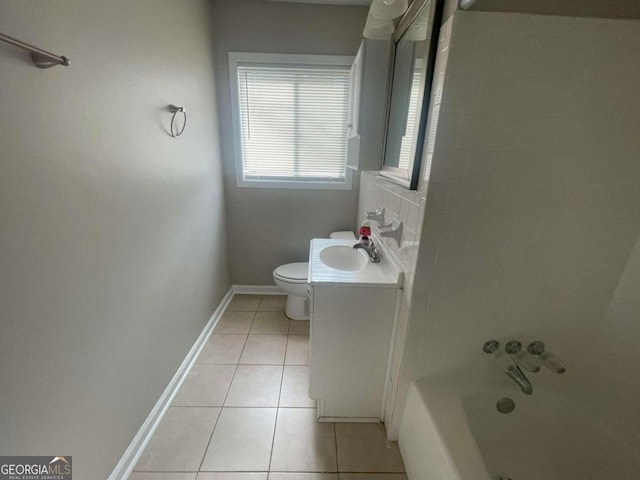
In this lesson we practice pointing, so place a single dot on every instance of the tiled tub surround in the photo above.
(533, 205)
(244, 411)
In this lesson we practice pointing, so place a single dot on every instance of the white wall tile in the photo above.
(532, 206)
(482, 51)
(468, 90)
(480, 165)
(448, 168)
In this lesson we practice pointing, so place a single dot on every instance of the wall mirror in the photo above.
(411, 73)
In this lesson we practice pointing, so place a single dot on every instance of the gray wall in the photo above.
(269, 227)
(112, 243)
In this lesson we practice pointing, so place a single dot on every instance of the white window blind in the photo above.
(408, 138)
(293, 122)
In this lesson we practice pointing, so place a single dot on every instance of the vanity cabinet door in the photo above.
(349, 349)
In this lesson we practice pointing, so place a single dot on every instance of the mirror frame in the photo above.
(410, 177)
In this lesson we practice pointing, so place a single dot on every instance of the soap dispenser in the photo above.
(365, 232)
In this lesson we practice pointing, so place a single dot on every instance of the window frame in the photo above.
(237, 59)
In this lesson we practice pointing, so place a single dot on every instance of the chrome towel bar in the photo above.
(41, 58)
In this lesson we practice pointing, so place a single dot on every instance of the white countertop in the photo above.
(384, 274)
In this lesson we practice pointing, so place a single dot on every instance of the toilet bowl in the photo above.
(292, 278)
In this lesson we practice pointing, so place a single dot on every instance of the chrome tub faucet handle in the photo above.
(549, 360)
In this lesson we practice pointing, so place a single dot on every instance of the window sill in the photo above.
(297, 185)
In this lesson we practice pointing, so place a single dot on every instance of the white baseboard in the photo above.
(139, 443)
(257, 289)
(349, 420)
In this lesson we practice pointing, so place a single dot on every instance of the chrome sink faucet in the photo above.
(371, 250)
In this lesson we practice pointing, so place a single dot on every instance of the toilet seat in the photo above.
(293, 272)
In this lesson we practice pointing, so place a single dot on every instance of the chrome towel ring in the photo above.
(175, 131)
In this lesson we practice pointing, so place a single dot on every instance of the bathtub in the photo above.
(451, 430)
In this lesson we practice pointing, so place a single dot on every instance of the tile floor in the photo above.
(243, 413)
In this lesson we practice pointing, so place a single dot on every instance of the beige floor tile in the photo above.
(302, 476)
(363, 447)
(244, 303)
(272, 303)
(241, 441)
(264, 350)
(301, 444)
(205, 386)
(299, 327)
(222, 349)
(295, 387)
(235, 322)
(180, 441)
(297, 350)
(373, 476)
(270, 323)
(162, 476)
(232, 476)
(255, 386)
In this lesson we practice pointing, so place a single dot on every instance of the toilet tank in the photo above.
(345, 235)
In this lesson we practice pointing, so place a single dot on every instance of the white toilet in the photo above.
(293, 279)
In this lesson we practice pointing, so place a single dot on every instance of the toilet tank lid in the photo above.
(293, 271)
(345, 235)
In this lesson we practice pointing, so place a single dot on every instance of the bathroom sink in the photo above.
(344, 258)
(334, 261)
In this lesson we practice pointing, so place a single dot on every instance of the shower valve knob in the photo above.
(549, 360)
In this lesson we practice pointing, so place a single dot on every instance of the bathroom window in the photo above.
(290, 120)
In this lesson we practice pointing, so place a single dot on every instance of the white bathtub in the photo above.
(452, 430)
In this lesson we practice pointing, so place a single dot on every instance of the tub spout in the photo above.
(517, 375)
(507, 365)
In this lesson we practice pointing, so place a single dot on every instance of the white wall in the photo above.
(112, 243)
(532, 204)
(270, 227)
(611, 367)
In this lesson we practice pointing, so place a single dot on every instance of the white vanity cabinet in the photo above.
(352, 320)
